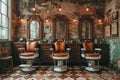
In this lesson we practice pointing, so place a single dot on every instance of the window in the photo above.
(4, 19)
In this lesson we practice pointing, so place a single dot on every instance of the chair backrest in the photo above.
(31, 45)
(60, 46)
(88, 46)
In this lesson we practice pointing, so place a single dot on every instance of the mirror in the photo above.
(34, 30)
(86, 27)
(35, 27)
(60, 27)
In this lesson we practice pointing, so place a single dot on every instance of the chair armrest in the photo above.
(83, 51)
(98, 50)
(21, 49)
(37, 50)
(68, 49)
(52, 49)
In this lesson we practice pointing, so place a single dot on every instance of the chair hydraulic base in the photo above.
(60, 69)
(91, 69)
(27, 68)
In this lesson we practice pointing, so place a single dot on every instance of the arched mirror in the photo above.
(86, 28)
(35, 27)
(60, 27)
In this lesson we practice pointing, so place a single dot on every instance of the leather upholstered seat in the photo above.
(60, 56)
(91, 56)
(28, 56)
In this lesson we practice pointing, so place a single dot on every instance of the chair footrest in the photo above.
(25, 65)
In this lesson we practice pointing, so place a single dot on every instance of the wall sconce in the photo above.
(46, 20)
(35, 9)
(59, 9)
(100, 21)
(74, 20)
(23, 21)
(87, 9)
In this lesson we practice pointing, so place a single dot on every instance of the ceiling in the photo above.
(98, 5)
(43, 5)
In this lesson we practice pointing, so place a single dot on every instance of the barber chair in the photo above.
(28, 55)
(92, 56)
(6, 61)
(60, 55)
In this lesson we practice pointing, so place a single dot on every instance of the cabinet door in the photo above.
(16, 59)
(104, 61)
(45, 54)
(74, 54)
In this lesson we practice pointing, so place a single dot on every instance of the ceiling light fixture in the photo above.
(34, 9)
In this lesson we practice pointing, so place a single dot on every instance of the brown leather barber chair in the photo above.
(60, 55)
(28, 55)
(91, 55)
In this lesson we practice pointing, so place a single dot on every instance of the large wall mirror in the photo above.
(60, 27)
(86, 29)
(35, 25)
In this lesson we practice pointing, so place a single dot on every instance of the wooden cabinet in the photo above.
(104, 61)
(15, 46)
(75, 56)
(45, 54)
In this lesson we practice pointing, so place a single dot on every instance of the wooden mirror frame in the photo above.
(36, 18)
(86, 17)
(65, 20)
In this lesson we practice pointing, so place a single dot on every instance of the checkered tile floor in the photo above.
(73, 73)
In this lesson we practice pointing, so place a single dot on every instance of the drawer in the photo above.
(45, 47)
(74, 47)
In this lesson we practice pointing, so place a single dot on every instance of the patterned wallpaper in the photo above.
(47, 11)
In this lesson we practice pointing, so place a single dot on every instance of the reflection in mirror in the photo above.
(60, 29)
(35, 27)
(34, 30)
(86, 29)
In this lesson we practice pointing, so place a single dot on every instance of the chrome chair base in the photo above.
(60, 69)
(27, 68)
(30, 69)
(60, 66)
(91, 69)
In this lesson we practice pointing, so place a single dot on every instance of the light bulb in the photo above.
(87, 9)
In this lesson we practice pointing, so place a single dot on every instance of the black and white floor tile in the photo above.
(73, 73)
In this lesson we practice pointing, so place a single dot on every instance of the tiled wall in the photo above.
(114, 53)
